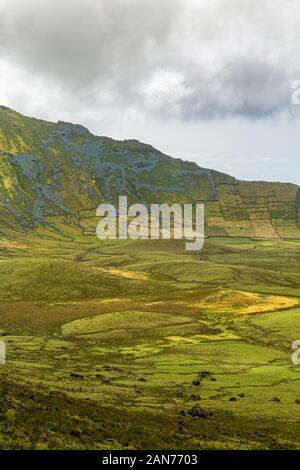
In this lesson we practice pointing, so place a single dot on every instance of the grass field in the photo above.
(112, 345)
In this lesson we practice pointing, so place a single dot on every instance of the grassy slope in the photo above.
(82, 320)
(53, 177)
(166, 326)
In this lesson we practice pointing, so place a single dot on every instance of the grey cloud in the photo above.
(186, 59)
(81, 41)
(248, 88)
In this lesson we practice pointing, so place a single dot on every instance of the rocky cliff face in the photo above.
(53, 176)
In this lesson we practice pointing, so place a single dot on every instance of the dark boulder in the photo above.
(74, 375)
(198, 412)
(106, 380)
(204, 373)
(195, 396)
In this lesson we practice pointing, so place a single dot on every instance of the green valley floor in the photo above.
(142, 345)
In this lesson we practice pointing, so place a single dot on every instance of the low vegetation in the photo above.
(137, 345)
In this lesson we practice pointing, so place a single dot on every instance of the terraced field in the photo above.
(120, 344)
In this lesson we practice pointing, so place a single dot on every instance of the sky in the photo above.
(204, 80)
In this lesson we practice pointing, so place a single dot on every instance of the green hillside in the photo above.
(140, 344)
(53, 177)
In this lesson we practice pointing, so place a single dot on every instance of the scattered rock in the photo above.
(106, 380)
(198, 412)
(232, 399)
(140, 379)
(178, 393)
(76, 376)
(182, 429)
(196, 382)
(213, 379)
(204, 373)
(182, 426)
(183, 422)
(275, 400)
(195, 396)
(241, 395)
(297, 401)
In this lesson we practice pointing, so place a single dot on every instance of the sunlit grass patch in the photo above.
(138, 276)
(243, 303)
(137, 321)
(284, 323)
(195, 339)
(13, 245)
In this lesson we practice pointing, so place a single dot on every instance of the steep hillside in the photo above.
(53, 176)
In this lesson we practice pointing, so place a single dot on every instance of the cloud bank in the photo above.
(182, 59)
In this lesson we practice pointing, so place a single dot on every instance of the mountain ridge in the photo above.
(54, 175)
